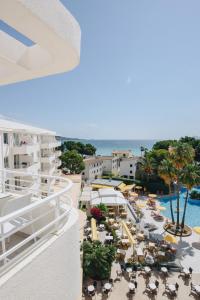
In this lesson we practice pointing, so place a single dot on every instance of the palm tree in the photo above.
(167, 172)
(147, 165)
(190, 178)
(180, 155)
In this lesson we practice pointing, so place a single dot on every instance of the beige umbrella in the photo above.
(138, 187)
(170, 239)
(133, 194)
(160, 207)
(152, 196)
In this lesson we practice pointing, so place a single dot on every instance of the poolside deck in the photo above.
(188, 248)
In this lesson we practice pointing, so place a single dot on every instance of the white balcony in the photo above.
(48, 158)
(48, 169)
(58, 153)
(50, 145)
(25, 149)
(58, 163)
(40, 241)
(29, 167)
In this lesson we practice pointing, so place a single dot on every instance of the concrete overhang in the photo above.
(55, 33)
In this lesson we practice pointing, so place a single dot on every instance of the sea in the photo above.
(105, 147)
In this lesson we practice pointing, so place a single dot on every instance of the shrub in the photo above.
(96, 213)
(97, 260)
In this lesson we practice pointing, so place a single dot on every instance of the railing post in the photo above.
(57, 212)
(3, 242)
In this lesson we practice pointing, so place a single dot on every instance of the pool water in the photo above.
(192, 214)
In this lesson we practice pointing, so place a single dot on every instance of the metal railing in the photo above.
(31, 213)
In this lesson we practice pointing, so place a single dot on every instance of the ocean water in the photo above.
(105, 147)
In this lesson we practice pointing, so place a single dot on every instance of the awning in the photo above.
(130, 237)
(113, 201)
(94, 230)
(99, 186)
(127, 188)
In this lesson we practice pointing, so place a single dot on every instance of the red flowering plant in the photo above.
(96, 213)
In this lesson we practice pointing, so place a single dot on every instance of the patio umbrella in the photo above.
(138, 187)
(152, 196)
(160, 207)
(170, 239)
(196, 230)
(141, 205)
(133, 194)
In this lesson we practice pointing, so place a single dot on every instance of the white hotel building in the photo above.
(39, 227)
(28, 149)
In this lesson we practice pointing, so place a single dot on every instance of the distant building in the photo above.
(111, 165)
(128, 167)
(93, 168)
(122, 153)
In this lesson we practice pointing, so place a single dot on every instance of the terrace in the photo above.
(145, 264)
(27, 217)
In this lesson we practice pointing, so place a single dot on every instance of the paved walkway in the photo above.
(188, 248)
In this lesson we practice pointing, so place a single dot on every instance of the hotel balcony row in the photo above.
(39, 238)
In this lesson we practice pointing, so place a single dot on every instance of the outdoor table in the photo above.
(125, 241)
(147, 270)
(151, 245)
(90, 288)
(121, 251)
(129, 270)
(88, 229)
(111, 221)
(149, 259)
(164, 270)
(111, 213)
(139, 251)
(161, 253)
(109, 237)
(171, 287)
(152, 286)
(107, 286)
(186, 271)
(131, 286)
(197, 288)
(116, 225)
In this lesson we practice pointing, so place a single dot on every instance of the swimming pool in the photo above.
(192, 213)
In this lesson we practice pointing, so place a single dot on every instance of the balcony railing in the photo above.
(30, 212)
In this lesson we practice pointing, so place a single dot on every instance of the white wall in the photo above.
(128, 167)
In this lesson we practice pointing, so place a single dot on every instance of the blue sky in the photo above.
(139, 75)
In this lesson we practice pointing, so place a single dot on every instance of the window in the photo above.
(131, 172)
(131, 177)
(83, 173)
(5, 138)
(6, 163)
(131, 165)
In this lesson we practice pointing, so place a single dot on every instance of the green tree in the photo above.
(89, 149)
(147, 165)
(180, 155)
(167, 172)
(164, 144)
(190, 177)
(83, 149)
(97, 260)
(72, 161)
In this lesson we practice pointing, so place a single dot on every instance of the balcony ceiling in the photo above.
(55, 34)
